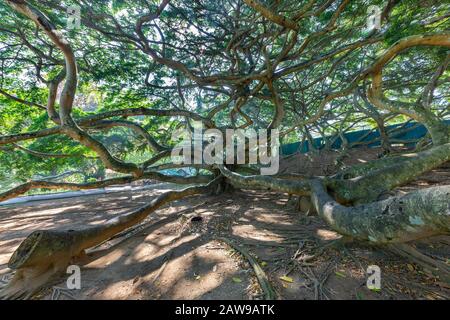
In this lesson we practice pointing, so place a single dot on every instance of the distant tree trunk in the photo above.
(384, 137)
(439, 130)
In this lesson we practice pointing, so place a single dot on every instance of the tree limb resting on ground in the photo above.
(417, 215)
(44, 254)
(42, 184)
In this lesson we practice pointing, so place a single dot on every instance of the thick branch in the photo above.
(43, 184)
(416, 215)
(266, 182)
(28, 103)
(272, 16)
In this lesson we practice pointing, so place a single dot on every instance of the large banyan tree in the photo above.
(104, 91)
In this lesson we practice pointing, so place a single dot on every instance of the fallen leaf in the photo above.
(287, 279)
(339, 274)
(237, 280)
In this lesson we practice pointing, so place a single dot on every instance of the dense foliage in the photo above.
(299, 66)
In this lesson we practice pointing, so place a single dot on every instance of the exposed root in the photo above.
(436, 267)
(58, 292)
(269, 292)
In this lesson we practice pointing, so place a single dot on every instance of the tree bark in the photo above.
(417, 215)
(43, 184)
(368, 187)
(439, 131)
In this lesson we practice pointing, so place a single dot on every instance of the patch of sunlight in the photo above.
(106, 260)
(273, 219)
(141, 253)
(327, 234)
(117, 290)
(208, 282)
(56, 210)
(166, 240)
(250, 232)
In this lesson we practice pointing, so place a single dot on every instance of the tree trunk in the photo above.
(439, 131)
(384, 137)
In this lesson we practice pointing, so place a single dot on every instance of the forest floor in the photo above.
(177, 252)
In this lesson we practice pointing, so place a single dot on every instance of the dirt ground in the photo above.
(176, 253)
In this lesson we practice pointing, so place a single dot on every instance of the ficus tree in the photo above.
(110, 93)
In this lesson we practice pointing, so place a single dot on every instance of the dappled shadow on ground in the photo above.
(173, 256)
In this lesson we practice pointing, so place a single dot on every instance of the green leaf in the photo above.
(237, 280)
(340, 274)
(287, 279)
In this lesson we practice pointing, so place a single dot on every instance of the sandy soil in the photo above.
(173, 256)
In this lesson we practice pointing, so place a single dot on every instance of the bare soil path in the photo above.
(175, 254)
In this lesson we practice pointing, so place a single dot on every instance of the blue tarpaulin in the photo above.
(405, 132)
